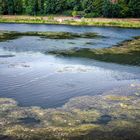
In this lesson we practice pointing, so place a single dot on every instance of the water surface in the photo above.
(36, 79)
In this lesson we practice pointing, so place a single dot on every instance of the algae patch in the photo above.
(7, 35)
(108, 116)
(127, 52)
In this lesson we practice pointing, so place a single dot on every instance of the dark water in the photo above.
(35, 79)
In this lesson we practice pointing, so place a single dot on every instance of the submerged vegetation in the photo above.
(128, 52)
(104, 117)
(111, 116)
(5, 35)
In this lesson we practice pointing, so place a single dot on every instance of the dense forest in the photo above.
(86, 8)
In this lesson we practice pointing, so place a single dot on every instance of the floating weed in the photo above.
(5, 35)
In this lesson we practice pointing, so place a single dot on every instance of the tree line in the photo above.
(87, 8)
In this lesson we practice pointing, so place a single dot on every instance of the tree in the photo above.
(18, 6)
(31, 7)
(74, 4)
(10, 7)
(90, 8)
(134, 8)
(98, 4)
(55, 6)
(111, 9)
(1, 10)
(41, 6)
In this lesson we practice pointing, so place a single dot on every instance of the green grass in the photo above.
(127, 52)
(88, 22)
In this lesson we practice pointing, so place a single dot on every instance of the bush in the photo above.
(74, 13)
(91, 15)
(110, 9)
(67, 13)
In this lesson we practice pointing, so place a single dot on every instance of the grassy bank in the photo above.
(127, 52)
(127, 23)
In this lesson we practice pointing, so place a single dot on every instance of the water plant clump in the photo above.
(108, 116)
(127, 52)
(5, 35)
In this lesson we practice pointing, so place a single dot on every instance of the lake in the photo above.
(35, 78)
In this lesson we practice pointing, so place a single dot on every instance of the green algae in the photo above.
(107, 116)
(7, 35)
(127, 52)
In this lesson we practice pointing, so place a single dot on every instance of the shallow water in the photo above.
(36, 79)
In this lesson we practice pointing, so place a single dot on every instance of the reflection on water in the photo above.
(47, 81)
(33, 78)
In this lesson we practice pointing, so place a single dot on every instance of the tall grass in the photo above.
(89, 22)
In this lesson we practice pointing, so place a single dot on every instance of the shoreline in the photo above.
(61, 20)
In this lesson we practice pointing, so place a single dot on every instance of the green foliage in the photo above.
(54, 6)
(91, 8)
(111, 10)
(134, 8)
(74, 13)
(90, 15)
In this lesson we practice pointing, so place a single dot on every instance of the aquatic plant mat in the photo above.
(7, 35)
(114, 115)
(127, 52)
